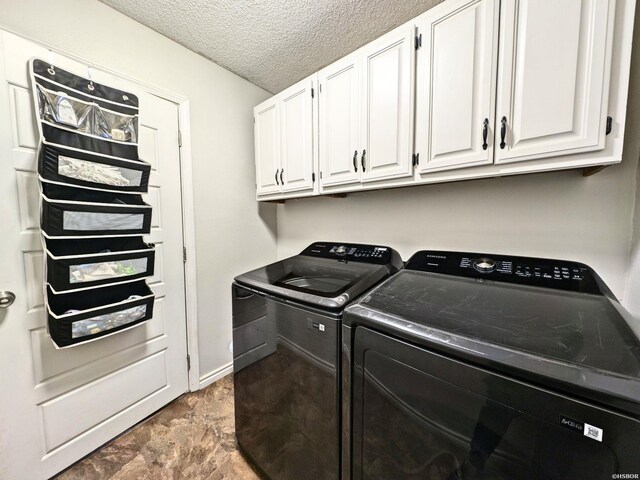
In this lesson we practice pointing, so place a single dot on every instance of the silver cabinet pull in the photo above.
(7, 299)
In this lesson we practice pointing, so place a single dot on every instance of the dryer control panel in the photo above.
(558, 274)
(352, 252)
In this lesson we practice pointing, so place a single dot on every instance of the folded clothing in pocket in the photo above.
(80, 169)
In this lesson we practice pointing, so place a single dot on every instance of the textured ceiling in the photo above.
(272, 43)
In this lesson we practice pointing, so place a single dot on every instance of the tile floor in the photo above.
(192, 438)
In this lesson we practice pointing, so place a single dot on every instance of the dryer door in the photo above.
(417, 415)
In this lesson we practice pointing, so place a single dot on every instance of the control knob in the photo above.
(484, 265)
(341, 250)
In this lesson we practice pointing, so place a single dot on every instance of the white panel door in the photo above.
(58, 405)
(456, 85)
(295, 106)
(553, 77)
(267, 145)
(339, 134)
(387, 81)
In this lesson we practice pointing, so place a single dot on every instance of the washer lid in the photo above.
(322, 282)
(582, 339)
(326, 274)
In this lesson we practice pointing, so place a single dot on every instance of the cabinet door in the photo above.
(553, 77)
(339, 122)
(296, 136)
(456, 85)
(267, 147)
(387, 72)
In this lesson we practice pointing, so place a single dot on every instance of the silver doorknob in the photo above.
(7, 299)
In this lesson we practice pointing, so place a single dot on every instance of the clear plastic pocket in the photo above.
(82, 264)
(116, 126)
(64, 110)
(109, 321)
(101, 174)
(79, 317)
(108, 270)
(75, 212)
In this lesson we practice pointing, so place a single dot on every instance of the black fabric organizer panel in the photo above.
(125, 214)
(49, 169)
(64, 257)
(89, 97)
(80, 84)
(104, 304)
(71, 139)
(95, 286)
(103, 103)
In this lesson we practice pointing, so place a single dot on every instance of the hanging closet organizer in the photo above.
(92, 214)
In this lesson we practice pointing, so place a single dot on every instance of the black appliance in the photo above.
(470, 366)
(286, 344)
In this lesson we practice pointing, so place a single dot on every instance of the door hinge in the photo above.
(609, 125)
(184, 254)
(188, 362)
(179, 139)
(418, 41)
(415, 159)
(313, 177)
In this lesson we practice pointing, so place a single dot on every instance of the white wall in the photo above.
(233, 232)
(555, 215)
(558, 215)
(633, 287)
(632, 146)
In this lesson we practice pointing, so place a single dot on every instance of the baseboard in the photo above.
(216, 375)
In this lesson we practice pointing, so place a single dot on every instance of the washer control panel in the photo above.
(351, 252)
(558, 274)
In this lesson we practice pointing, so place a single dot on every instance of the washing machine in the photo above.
(286, 347)
(475, 366)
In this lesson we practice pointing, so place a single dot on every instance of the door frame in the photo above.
(186, 187)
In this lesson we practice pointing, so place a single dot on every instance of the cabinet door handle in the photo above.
(355, 160)
(281, 173)
(503, 132)
(277, 177)
(485, 132)
(364, 153)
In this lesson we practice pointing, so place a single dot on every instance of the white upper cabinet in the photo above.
(296, 137)
(469, 89)
(339, 130)
(267, 144)
(455, 86)
(386, 106)
(285, 142)
(553, 77)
